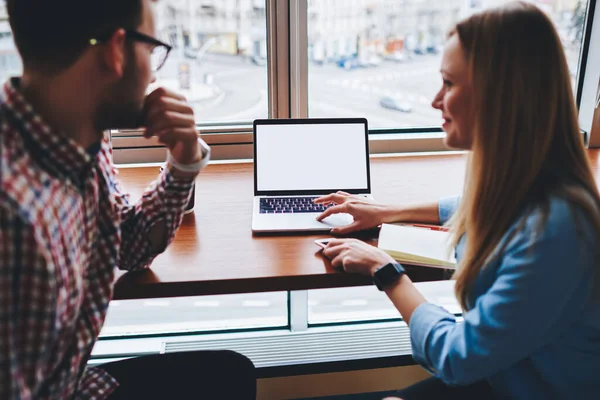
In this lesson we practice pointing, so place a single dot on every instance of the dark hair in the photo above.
(51, 35)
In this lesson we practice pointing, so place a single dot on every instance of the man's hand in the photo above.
(168, 116)
(356, 256)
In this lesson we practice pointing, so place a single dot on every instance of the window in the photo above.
(219, 57)
(381, 59)
(329, 306)
(10, 63)
(372, 58)
(195, 314)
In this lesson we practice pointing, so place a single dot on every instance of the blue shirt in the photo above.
(533, 327)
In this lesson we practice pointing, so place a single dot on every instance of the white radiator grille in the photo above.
(308, 347)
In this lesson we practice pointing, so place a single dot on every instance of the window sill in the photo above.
(133, 148)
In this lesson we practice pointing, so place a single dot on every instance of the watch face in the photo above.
(387, 274)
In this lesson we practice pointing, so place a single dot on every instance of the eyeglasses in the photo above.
(160, 50)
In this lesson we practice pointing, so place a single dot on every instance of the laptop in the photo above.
(298, 160)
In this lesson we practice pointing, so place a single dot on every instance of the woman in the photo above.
(526, 228)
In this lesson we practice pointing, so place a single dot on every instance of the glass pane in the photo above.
(218, 59)
(366, 303)
(219, 56)
(380, 58)
(10, 62)
(192, 314)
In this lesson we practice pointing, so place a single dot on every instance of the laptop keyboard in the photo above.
(281, 205)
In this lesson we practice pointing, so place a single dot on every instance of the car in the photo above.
(396, 56)
(258, 60)
(431, 49)
(348, 63)
(373, 60)
(394, 103)
(189, 53)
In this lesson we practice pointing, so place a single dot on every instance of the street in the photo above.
(239, 90)
(255, 310)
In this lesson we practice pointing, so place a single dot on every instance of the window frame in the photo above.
(588, 74)
(287, 81)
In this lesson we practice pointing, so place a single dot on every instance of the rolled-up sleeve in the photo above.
(447, 207)
(520, 313)
(164, 199)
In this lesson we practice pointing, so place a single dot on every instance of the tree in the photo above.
(578, 21)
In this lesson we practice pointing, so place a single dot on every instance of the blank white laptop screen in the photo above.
(311, 157)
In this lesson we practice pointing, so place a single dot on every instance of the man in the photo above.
(64, 223)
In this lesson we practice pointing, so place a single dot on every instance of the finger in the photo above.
(331, 252)
(337, 246)
(164, 104)
(338, 261)
(335, 242)
(343, 193)
(167, 139)
(331, 198)
(163, 92)
(323, 199)
(169, 120)
(171, 137)
(343, 230)
(332, 210)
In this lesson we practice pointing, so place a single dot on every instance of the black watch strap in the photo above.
(388, 274)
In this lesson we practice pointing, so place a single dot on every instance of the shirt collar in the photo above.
(58, 154)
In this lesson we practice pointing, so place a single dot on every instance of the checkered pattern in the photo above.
(64, 226)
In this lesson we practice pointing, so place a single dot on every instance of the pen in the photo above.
(431, 227)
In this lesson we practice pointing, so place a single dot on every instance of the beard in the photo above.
(123, 107)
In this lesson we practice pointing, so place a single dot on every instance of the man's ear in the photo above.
(113, 53)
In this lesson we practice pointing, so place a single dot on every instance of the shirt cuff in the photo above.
(447, 206)
(195, 168)
(422, 322)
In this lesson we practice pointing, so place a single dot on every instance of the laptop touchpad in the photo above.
(338, 220)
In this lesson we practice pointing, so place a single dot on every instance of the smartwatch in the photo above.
(388, 274)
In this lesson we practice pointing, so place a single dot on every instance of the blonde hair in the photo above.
(526, 140)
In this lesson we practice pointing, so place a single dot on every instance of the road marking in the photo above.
(207, 303)
(256, 303)
(354, 303)
(157, 303)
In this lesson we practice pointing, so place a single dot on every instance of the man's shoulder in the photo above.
(24, 187)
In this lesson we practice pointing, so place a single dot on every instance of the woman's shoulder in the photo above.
(560, 219)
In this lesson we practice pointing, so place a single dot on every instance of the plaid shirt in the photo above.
(64, 226)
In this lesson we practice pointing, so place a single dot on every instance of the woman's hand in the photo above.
(356, 256)
(365, 212)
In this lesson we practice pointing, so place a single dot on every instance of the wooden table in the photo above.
(215, 252)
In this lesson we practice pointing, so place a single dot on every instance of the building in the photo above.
(239, 26)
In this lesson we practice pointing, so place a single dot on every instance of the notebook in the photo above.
(297, 160)
(417, 245)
